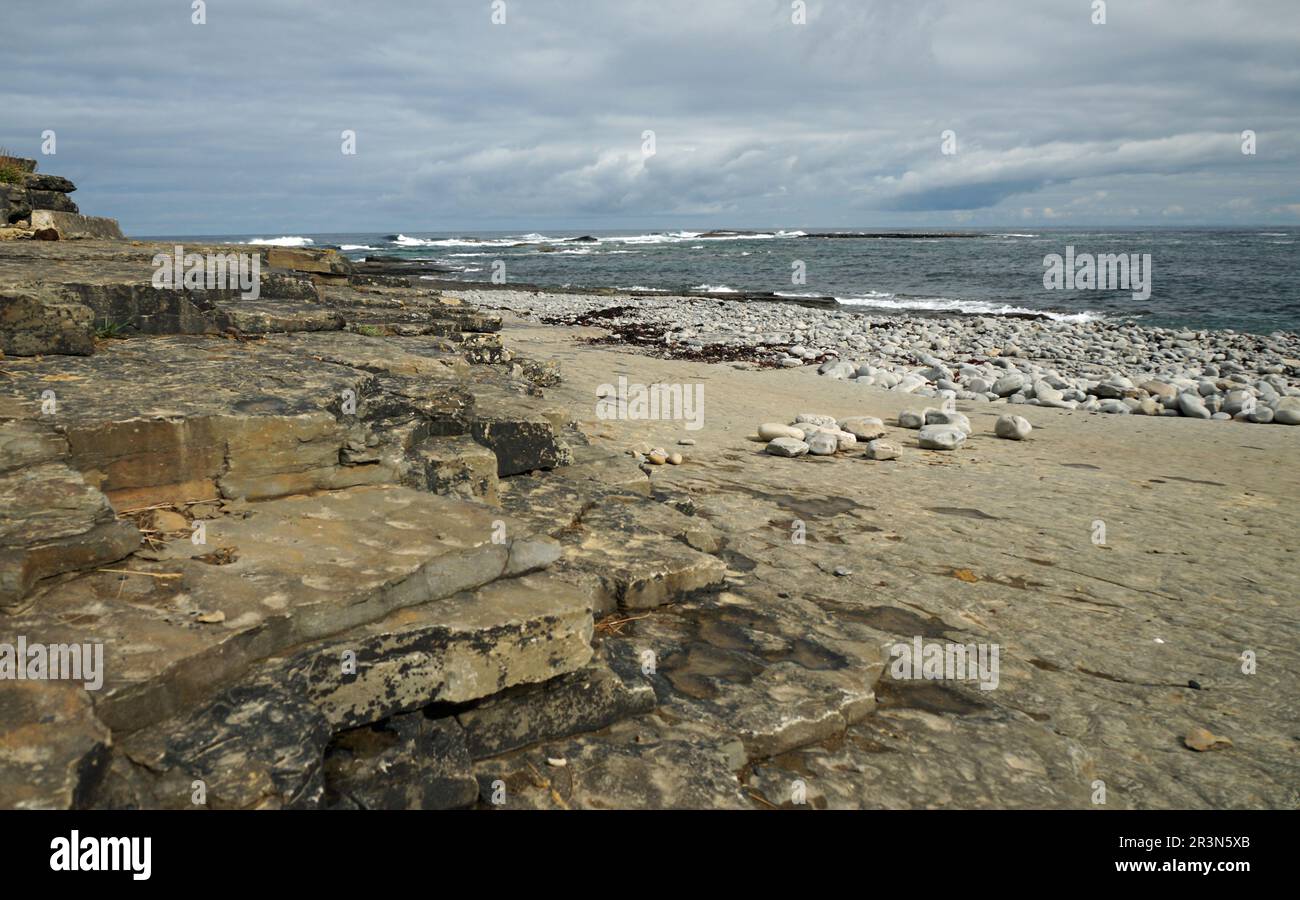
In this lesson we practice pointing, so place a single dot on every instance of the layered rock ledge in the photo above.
(311, 537)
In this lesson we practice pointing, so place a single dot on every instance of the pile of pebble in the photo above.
(1215, 392)
(658, 456)
(1099, 365)
(819, 435)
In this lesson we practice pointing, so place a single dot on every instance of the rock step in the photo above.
(53, 523)
(35, 321)
(281, 734)
(523, 438)
(52, 748)
(184, 419)
(642, 553)
(587, 700)
(459, 466)
(270, 576)
(193, 418)
(423, 759)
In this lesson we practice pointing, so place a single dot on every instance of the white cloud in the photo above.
(233, 126)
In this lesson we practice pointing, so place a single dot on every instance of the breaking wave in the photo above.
(283, 242)
(877, 300)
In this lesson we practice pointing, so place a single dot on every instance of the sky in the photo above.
(529, 115)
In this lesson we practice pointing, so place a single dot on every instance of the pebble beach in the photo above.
(1102, 366)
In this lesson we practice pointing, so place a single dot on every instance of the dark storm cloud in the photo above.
(234, 126)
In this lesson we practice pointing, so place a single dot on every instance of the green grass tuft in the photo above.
(110, 331)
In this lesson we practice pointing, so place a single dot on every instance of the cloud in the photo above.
(234, 126)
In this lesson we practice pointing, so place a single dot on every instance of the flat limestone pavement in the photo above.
(1112, 646)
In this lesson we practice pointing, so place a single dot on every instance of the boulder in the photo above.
(1287, 411)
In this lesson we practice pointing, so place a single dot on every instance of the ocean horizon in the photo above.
(1238, 279)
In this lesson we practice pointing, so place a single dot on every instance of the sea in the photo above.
(1246, 279)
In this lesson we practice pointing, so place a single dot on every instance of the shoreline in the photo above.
(1096, 366)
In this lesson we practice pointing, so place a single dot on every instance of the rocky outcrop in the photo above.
(333, 545)
(40, 206)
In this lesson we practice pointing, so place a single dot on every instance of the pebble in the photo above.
(1013, 428)
(1008, 384)
(167, 522)
(815, 419)
(674, 459)
(913, 418)
(786, 446)
(947, 417)
(1287, 411)
(1192, 405)
(686, 442)
(864, 428)
(941, 437)
(823, 443)
(771, 430)
(881, 450)
(656, 457)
